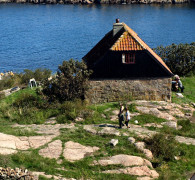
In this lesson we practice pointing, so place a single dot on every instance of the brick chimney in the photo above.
(117, 27)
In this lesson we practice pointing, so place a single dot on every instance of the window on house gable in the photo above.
(128, 58)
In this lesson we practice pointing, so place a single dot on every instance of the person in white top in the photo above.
(127, 117)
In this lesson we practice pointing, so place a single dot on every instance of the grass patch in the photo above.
(147, 118)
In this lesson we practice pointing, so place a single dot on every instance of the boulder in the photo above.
(125, 160)
(148, 153)
(109, 131)
(179, 95)
(114, 142)
(74, 151)
(140, 145)
(131, 140)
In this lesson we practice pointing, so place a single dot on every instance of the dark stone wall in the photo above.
(140, 89)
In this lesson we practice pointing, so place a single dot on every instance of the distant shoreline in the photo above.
(85, 2)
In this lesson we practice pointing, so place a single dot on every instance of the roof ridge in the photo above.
(145, 46)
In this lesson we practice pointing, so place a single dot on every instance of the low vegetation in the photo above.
(64, 102)
(179, 58)
(22, 79)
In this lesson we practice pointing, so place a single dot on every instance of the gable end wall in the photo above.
(101, 91)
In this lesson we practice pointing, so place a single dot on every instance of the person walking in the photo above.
(121, 116)
(127, 117)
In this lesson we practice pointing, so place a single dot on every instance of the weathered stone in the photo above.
(172, 124)
(131, 140)
(107, 91)
(7, 151)
(136, 171)
(53, 150)
(90, 128)
(185, 140)
(125, 160)
(37, 141)
(75, 151)
(148, 153)
(110, 131)
(140, 145)
(114, 142)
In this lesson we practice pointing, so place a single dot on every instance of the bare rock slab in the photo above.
(125, 160)
(74, 151)
(7, 151)
(137, 171)
(109, 131)
(53, 150)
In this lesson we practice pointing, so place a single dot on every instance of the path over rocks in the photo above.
(142, 132)
(164, 109)
(47, 129)
(9, 144)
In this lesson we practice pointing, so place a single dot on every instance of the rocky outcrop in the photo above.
(125, 160)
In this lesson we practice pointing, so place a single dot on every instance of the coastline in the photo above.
(123, 2)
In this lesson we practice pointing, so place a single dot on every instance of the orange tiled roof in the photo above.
(145, 46)
(126, 43)
(130, 37)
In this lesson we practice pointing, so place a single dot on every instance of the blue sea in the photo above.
(33, 36)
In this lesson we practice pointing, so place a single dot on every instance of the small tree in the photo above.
(70, 82)
(179, 58)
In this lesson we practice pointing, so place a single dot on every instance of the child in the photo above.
(127, 117)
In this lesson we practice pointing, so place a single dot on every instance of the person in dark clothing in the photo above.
(121, 116)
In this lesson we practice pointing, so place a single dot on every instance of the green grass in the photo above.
(6, 127)
(147, 118)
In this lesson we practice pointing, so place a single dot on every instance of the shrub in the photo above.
(39, 75)
(162, 146)
(27, 100)
(2, 96)
(6, 83)
(179, 58)
(70, 110)
(70, 82)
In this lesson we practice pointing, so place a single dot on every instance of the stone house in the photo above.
(125, 66)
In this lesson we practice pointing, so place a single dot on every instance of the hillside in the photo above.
(75, 140)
